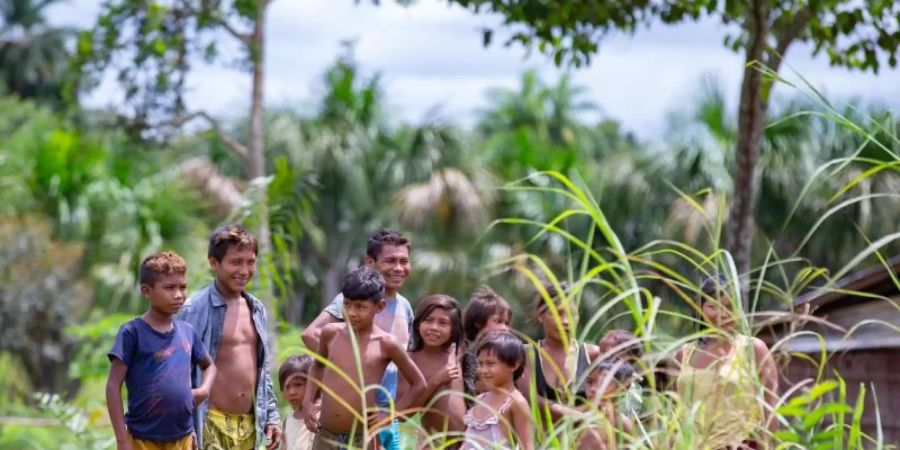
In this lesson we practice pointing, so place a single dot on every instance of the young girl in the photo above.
(292, 380)
(728, 378)
(437, 332)
(623, 345)
(486, 312)
(501, 417)
(605, 385)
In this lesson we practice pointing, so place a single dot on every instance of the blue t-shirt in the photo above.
(397, 319)
(160, 403)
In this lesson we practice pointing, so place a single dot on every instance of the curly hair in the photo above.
(162, 263)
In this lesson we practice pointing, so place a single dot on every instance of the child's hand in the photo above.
(451, 370)
(200, 395)
(373, 417)
(311, 416)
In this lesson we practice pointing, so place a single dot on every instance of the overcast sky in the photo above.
(431, 59)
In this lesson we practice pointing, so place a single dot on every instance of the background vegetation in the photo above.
(85, 193)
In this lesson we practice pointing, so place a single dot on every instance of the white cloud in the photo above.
(430, 55)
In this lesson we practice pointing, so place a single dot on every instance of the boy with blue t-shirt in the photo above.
(387, 252)
(153, 355)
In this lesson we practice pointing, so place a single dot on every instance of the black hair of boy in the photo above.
(713, 286)
(539, 302)
(621, 370)
(483, 304)
(382, 238)
(508, 349)
(363, 283)
(231, 235)
(294, 364)
(428, 305)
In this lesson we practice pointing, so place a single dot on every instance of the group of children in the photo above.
(472, 382)
(463, 371)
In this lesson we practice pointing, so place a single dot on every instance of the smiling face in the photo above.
(235, 270)
(595, 388)
(493, 371)
(436, 328)
(394, 265)
(294, 389)
(167, 294)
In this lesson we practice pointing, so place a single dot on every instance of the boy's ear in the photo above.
(145, 290)
(213, 263)
(379, 306)
(369, 261)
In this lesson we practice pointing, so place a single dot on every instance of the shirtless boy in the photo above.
(339, 421)
(242, 409)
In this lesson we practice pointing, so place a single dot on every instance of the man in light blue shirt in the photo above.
(388, 252)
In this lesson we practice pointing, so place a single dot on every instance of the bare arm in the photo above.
(768, 375)
(209, 375)
(456, 405)
(314, 380)
(117, 373)
(557, 410)
(442, 379)
(409, 371)
(522, 425)
(313, 332)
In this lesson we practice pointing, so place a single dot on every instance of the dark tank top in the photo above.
(550, 393)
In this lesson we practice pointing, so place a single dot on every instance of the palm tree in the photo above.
(33, 54)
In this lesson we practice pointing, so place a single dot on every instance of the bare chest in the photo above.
(367, 357)
(238, 329)
(429, 366)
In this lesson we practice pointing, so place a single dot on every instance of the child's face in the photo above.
(167, 294)
(552, 327)
(718, 312)
(294, 389)
(492, 371)
(360, 313)
(436, 328)
(394, 265)
(236, 269)
(594, 386)
(497, 322)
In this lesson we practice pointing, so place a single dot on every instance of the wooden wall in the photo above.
(878, 370)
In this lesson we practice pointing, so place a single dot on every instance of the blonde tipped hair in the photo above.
(158, 264)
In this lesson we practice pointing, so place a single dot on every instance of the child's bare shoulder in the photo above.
(333, 329)
(519, 401)
(386, 340)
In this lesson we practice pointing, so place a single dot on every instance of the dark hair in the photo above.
(428, 305)
(231, 235)
(712, 286)
(293, 365)
(384, 237)
(483, 304)
(621, 337)
(363, 283)
(507, 347)
(621, 370)
(162, 263)
(539, 302)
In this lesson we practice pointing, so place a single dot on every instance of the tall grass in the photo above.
(654, 290)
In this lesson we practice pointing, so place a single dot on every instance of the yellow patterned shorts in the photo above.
(224, 431)
(185, 443)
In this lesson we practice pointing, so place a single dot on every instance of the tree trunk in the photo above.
(256, 168)
(751, 117)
